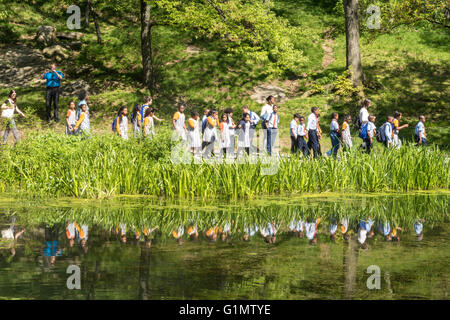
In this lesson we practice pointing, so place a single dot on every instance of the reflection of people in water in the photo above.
(52, 248)
(333, 229)
(249, 232)
(225, 232)
(123, 232)
(70, 233)
(82, 236)
(211, 234)
(270, 232)
(385, 230)
(178, 235)
(297, 227)
(365, 231)
(12, 236)
(418, 228)
(192, 232)
(311, 230)
(344, 229)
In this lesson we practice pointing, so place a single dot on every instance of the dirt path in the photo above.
(328, 57)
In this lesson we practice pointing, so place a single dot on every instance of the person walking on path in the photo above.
(7, 111)
(312, 129)
(53, 78)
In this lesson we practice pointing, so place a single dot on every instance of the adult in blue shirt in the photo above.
(53, 78)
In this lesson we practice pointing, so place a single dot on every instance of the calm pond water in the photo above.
(278, 248)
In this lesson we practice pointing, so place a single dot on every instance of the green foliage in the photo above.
(344, 86)
(104, 166)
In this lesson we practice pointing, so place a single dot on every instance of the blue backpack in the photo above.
(142, 111)
(363, 132)
(204, 122)
(114, 124)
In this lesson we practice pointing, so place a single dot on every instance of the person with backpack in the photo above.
(334, 135)
(122, 123)
(364, 113)
(7, 111)
(293, 128)
(420, 136)
(387, 135)
(396, 124)
(368, 131)
(312, 128)
(83, 125)
(302, 134)
(136, 120)
(204, 119)
(346, 136)
(149, 124)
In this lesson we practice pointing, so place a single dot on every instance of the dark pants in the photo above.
(302, 146)
(294, 144)
(271, 136)
(52, 96)
(335, 142)
(369, 145)
(313, 143)
(424, 141)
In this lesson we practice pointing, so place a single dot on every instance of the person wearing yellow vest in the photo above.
(122, 123)
(397, 128)
(178, 235)
(83, 125)
(193, 129)
(178, 122)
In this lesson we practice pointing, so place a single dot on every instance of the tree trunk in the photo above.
(97, 26)
(350, 268)
(146, 44)
(352, 36)
(87, 13)
(144, 267)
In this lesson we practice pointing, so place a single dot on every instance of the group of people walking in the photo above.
(202, 135)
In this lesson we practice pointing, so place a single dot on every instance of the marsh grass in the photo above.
(104, 166)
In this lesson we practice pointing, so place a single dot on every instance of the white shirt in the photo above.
(267, 109)
(420, 129)
(388, 131)
(363, 115)
(370, 128)
(334, 126)
(312, 122)
(301, 130)
(362, 235)
(310, 229)
(293, 127)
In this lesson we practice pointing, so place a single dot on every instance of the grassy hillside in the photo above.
(407, 70)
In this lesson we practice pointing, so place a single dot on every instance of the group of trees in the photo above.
(251, 28)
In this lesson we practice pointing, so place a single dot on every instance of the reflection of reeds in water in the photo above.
(398, 211)
(104, 166)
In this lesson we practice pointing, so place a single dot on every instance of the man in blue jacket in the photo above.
(53, 78)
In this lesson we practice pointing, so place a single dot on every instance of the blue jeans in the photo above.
(271, 136)
(335, 142)
(10, 126)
